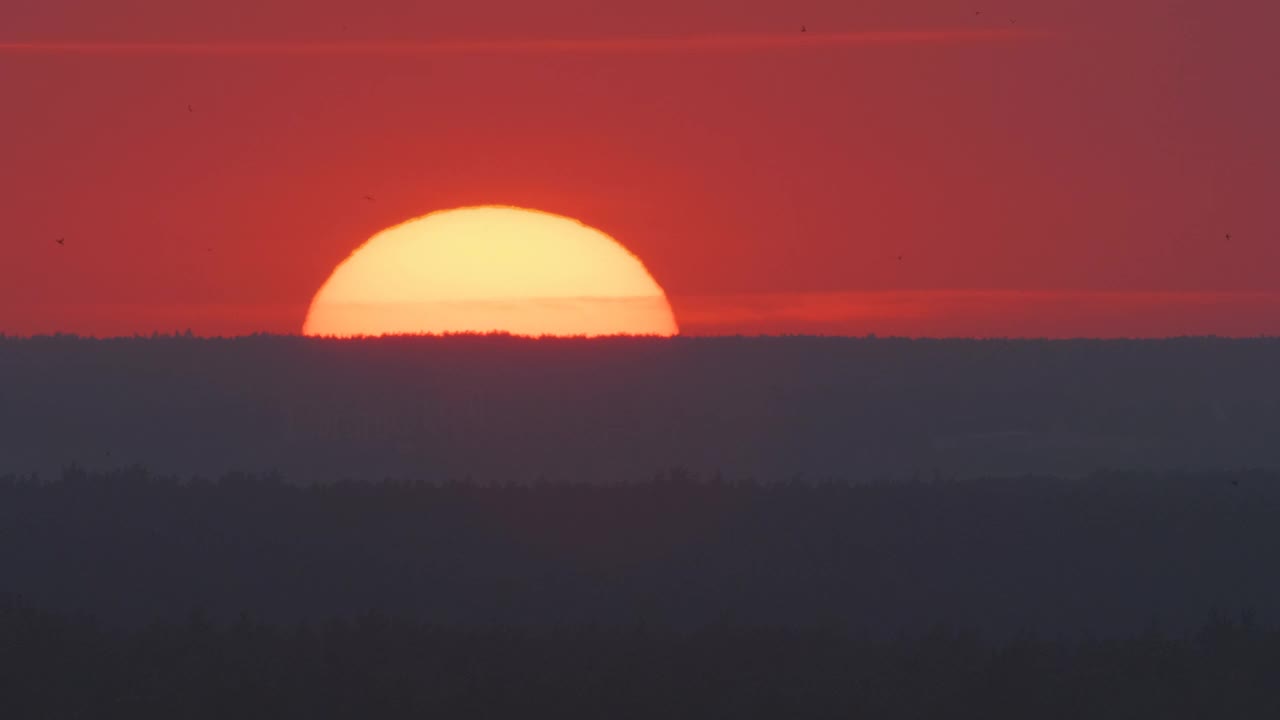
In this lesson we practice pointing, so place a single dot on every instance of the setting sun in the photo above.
(491, 269)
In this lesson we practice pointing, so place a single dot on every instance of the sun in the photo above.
(491, 269)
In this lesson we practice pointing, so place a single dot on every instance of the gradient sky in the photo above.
(1073, 173)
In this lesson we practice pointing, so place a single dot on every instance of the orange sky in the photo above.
(1073, 173)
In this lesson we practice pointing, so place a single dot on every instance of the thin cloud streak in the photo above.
(733, 42)
(907, 313)
(984, 313)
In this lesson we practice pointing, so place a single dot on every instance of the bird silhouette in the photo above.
(370, 198)
(803, 29)
(61, 241)
(1228, 236)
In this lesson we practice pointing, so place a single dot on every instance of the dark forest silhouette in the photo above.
(509, 409)
(54, 666)
(1103, 554)
(488, 526)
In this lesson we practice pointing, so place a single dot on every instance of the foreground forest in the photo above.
(55, 666)
(1105, 554)
(504, 409)
(629, 527)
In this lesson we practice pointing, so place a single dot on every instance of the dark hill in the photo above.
(508, 409)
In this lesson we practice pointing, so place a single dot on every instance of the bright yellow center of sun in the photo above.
(490, 269)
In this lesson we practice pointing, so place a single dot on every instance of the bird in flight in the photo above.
(1228, 237)
(369, 198)
(803, 29)
(61, 241)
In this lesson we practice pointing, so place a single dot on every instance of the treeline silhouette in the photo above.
(1104, 554)
(503, 408)
(56, 666)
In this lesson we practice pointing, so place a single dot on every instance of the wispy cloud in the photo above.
(984, 313)
(910, 313)
(729, 42)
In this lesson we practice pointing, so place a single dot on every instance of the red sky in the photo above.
(1073, 173)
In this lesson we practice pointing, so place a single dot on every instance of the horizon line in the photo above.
(723, 42)
(498, 334)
